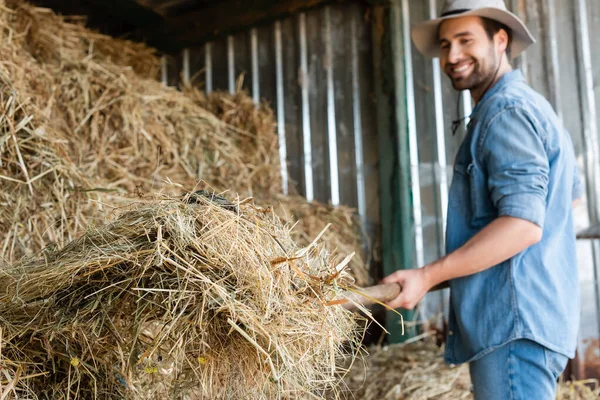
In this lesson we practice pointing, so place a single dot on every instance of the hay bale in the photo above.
(85, 126)
(177, 298)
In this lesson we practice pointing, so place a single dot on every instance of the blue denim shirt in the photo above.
(517, 160)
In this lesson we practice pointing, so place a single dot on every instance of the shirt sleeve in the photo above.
(514, 155)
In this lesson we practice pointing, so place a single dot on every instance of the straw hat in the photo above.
(425, 34)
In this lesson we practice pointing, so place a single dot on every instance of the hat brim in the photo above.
(425, 34)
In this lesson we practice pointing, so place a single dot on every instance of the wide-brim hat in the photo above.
(425, 34)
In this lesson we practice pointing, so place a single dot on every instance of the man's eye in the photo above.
(465, 41)
(444, 46)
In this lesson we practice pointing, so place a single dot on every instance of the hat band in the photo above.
(453, 12)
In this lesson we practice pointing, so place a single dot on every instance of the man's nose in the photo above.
(454, 54)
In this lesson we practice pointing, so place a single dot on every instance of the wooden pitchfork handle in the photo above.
(382, 293)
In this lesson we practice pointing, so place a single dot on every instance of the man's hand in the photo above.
(414, 284)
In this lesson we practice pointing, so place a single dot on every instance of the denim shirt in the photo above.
(517, 160)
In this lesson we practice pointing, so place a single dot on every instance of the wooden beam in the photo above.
(129, 11)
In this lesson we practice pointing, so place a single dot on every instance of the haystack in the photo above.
(80, 130)
(84, 124)
(345, 233)
(192, 296)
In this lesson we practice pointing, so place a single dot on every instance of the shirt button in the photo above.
(450, 333)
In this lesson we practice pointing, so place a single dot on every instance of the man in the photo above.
(510, 243)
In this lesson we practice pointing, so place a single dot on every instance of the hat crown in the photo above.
(456, 5)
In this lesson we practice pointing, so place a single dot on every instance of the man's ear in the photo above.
(502, 38)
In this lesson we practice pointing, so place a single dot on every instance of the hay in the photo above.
(84, 123)
(260, 148)
(176, 297)
(91, 131)
(407, 372)
(416, 371)
(344, 236)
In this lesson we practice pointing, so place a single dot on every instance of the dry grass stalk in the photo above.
(176, 298)
(344, 235)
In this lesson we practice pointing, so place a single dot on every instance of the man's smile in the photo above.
(460, 70)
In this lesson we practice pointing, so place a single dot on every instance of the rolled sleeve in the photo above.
(515, 157)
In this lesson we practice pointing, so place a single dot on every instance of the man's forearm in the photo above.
(501, 239)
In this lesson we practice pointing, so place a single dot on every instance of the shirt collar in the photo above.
(508, 78)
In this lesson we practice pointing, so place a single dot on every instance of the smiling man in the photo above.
(510, 243)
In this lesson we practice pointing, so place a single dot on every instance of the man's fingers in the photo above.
(401, 302)
(395, 277)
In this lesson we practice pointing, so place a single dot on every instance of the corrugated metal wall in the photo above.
(316, 70)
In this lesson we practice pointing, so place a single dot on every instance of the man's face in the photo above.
(467, 55)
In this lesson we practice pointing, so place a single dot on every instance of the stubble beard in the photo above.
(480, 77)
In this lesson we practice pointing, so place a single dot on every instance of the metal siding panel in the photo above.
(369, 122)
(537, 64)
(392, 225)
(359, 159)
(293, 102)
(197, 67)
(569, 92)
(417, 217)
(427, 120)
(254, 65)
(331, 116)
(517, 7)
(442, 160)
(164, 74)
(219, 64)
(267, 63)
(243, 60)
(231, 76)
(594, 35)
(426, 127)
(343, 91)
(208, 67)
(185, 54)
(404, 120)
(316, 81)
(174, 66)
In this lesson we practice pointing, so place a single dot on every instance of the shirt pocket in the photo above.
(459, 196)
(482, 210)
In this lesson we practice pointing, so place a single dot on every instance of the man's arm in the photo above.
(492, 245)
(513, 153)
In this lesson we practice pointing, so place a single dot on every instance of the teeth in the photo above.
(461, 69)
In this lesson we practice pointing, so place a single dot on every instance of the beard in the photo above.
(484, 72)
